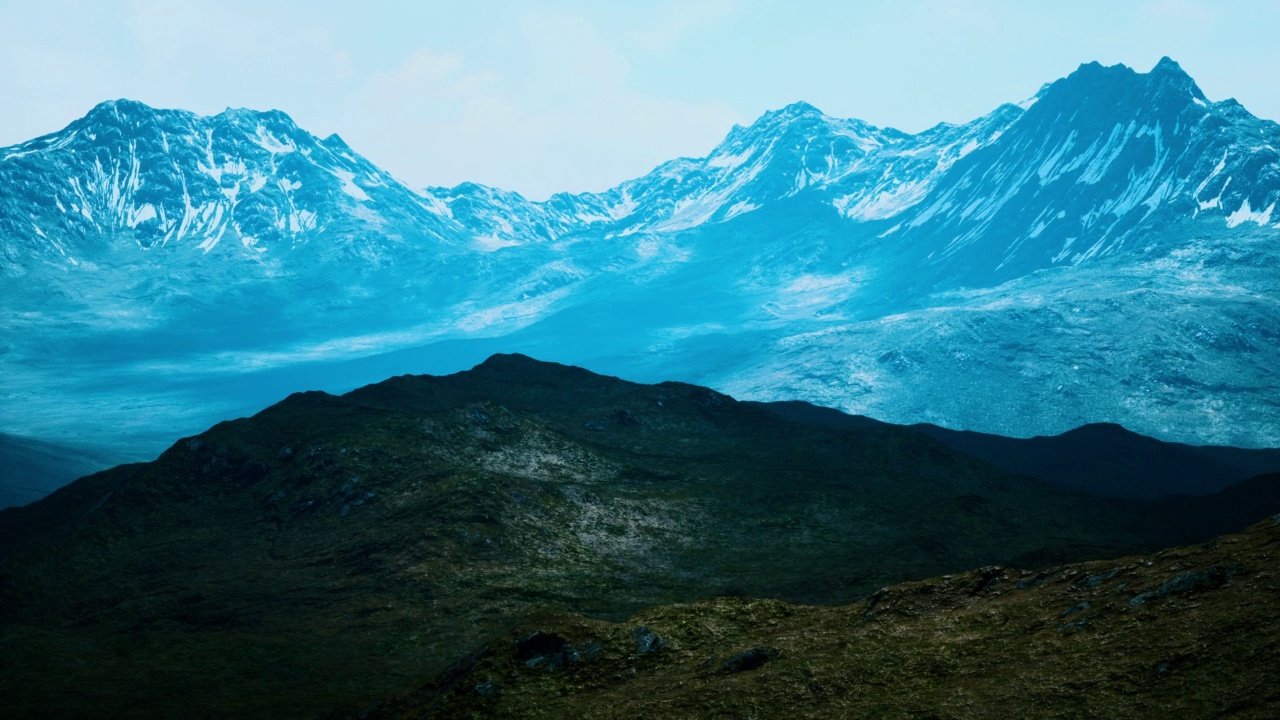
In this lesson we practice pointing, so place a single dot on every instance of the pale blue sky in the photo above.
(548, 96)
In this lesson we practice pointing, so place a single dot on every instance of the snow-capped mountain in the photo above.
(130, 175)
(1103, 251)
(865, 172)
(1105, 161)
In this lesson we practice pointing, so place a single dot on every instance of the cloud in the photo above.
(552, 110)
(675, 23)
(1179, 11)
(207, 55)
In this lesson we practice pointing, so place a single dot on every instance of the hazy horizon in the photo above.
(572, 96)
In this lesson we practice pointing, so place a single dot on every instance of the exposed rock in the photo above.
(987, 580)
(545, 650)
(748, 659)
(487, 688)
(1185, 582)
(647, 641)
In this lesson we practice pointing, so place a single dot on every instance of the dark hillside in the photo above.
(1100, 459)
(331, 551)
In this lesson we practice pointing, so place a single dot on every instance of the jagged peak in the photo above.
(801, 116)
(1164, 69)
(1168, 72)
(250, 117)
(123, 108)
(136, 111)
(772, 118)
(798, 109)
(468, 188)
(335, 142)
(1167, 64)
(785, 116)
(1167, 85)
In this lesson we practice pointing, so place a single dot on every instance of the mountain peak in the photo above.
(120, 104)
(799, 108)
(518, 368)
(1169, 72)
(796, 115)
(124, 110)
(335, 142)
(1167, 64)
(1167, 86)
(249, 118)
(509, 361)
(118, 109)
(1169, 76)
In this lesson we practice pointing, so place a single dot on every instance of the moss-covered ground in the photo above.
(330, 553)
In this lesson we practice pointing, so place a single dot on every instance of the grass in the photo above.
(330, 553)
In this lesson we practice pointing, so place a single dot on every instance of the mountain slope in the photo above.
(1103, 252)
(1188, 632)
(1099, 459)
(31, 469)
(131, 175)
(1105, 161)
(334, 550)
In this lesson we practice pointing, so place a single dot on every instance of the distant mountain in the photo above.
(333, 551)
(128, 178)
(1099, 459)
(31, 469)
(865, 172)
(1103, 252)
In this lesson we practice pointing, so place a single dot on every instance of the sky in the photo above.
(560, 95)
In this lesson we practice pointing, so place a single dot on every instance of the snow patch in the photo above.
(212, 240)
(349, 186)
(434, 204)
(140, 215)
(271, 144)
(624, 208)
(740, 208)
(883, 204)
(490, 243)
(1245, 214)
(730, 161)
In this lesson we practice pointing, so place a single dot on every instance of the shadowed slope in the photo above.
(1101, 459)
(331, 550)
(32, 468)
(1188, 633)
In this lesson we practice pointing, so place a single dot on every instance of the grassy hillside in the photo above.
(333, 551)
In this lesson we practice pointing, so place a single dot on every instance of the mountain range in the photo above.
(1103, 252)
